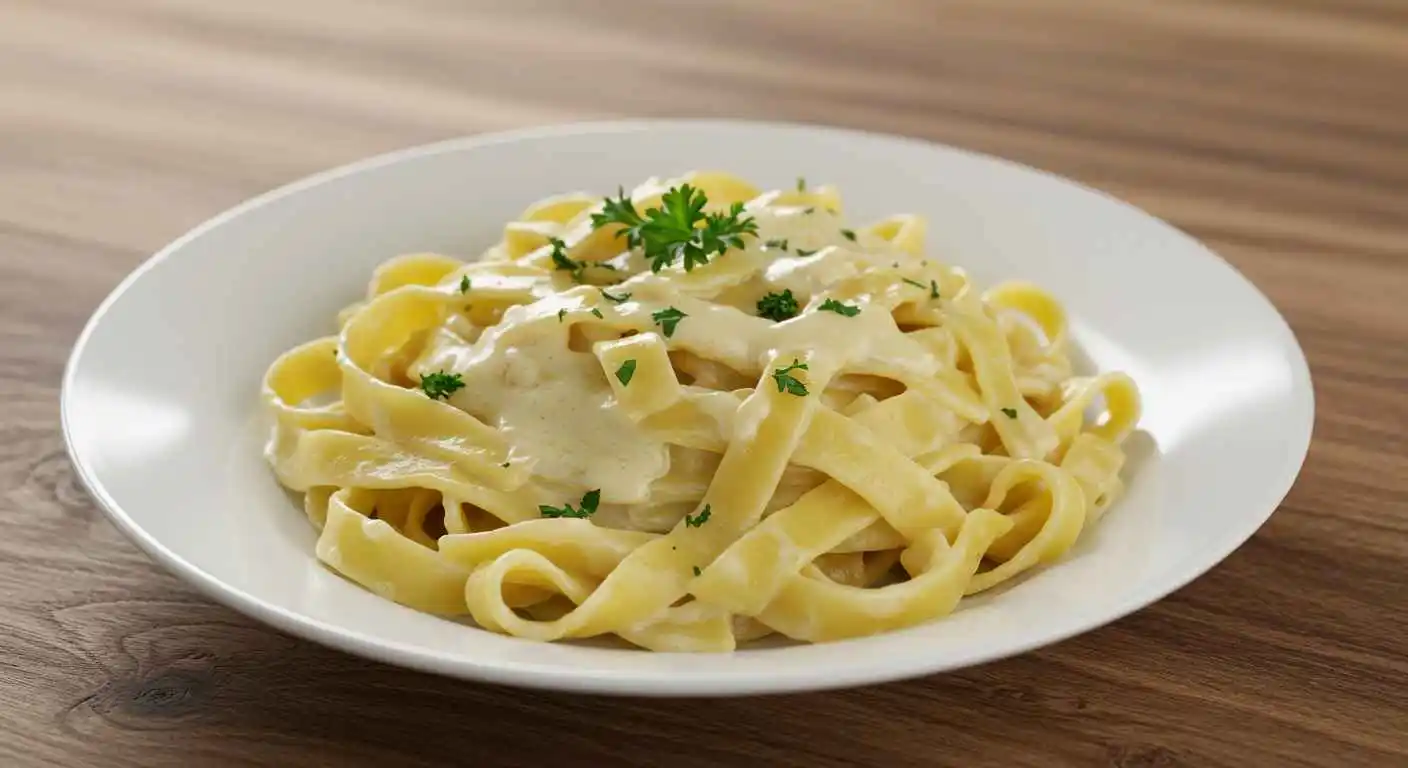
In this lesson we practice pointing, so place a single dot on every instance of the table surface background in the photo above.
(1275, 130)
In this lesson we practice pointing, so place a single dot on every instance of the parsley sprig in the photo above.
(586, 509)
(679, 230)
(440, 385)
(832, 305)
(788, 383)
(778, 306)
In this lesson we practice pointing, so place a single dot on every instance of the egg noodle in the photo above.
(690, 427)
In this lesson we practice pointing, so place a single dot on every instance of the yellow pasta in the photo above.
(692, 415)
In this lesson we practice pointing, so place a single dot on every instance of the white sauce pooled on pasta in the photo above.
(556, 409)
(555, 406)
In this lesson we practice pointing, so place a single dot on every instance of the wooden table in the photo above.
(1276, 130)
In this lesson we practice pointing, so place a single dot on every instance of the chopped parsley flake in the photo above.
(778, 306)
(801, 184)
(440, 385)
(914, 283)
(832, 305)
(464, 284)
(1010, 413)
(778, 244)
(848, 234)
(588, 507)
(626, 371)
(679, 230)
(561, 261)
(694, 521)
(933, 289)
(615, 299)
(804, 252)
(788, 383)
(598, 314)
(668, 318)
(561, 313)
(809, 211)
(697, 570)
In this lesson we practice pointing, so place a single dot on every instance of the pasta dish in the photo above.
(694, 414)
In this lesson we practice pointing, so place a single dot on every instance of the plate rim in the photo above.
(552, 676)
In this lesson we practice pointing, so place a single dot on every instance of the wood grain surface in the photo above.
(1275, 130)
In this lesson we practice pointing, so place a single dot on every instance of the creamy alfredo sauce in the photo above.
(555, 405)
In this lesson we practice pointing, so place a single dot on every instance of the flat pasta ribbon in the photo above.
(581, 434)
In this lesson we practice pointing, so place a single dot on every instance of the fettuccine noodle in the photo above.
(559, 442)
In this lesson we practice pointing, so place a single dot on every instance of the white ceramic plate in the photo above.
(161, 412)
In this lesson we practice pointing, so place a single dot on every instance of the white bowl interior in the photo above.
(161, 411)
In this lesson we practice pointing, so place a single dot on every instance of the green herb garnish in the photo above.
(588, 507)
(933, 289)
(626, 371)
(504, 465)
(809, 211)
(788, 383)
(848, 234)
(440, 385)
(778, 244)
(598, 314)
(668, 318)
(1010, 413)
(615, 299)
(801, 184)
(914, 283)
(804, 252)
(560, 259)
(694, 521)
(832, 305)
(679, 229)
(561, 313)
(778, 306)
(464, 284)
(697, 570)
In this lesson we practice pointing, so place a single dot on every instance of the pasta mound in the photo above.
(694, 416)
